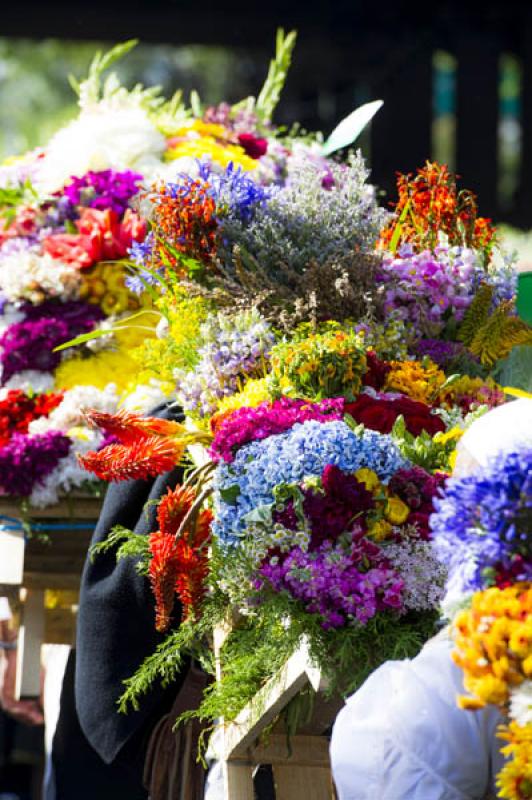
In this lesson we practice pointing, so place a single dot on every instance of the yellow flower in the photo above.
(97, 370)
(452, 435)
(419, 381)
(79, 432)
(369, 478)
(396, 512)
(380, 530)
(254, 392)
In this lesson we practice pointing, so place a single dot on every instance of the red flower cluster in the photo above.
(430, 203)
(380, 413)
(102, 236)
(179, 564)
(146, 447)
(185, 219)
(17, 410)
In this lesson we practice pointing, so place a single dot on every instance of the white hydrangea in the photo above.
(521, 704)
(70, 411)
(31, 380)
(105, 136)
(144, 398)
(29, 275)
(68, 474)
(9, 316)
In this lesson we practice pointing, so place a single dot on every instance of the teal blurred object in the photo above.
(524, 296)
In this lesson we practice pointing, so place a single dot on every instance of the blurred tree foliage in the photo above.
(36, 98)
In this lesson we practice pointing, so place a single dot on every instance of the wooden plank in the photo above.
(51, 580)
(74, 508)
(298, 751)
(308, 783)
(238, 782)
(30, 639)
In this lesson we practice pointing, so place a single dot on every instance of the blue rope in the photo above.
(14, 524)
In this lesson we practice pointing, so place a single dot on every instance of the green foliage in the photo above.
(89, 89)
(423, 450)
(273, 86)
(127, 544)
(476, 315)
(516, 370)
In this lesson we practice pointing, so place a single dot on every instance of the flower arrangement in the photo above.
(481, 531)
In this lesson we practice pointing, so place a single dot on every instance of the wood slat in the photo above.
(310, 783)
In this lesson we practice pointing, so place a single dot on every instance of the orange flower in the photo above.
(429, 204)
(129, 428)
(178, 566)
(147, 457)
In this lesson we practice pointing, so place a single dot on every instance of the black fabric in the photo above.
(79, 772)
(116, 620)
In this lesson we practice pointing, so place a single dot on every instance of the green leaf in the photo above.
(516, 369)
(394, 241)
(230, 494)
(350, 128)
(195, 103)
(275, 80)
(84, 337)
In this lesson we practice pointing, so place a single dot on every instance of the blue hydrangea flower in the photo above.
(248, 482)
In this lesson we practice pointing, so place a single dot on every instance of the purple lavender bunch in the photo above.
(27, 460)
(105, 189)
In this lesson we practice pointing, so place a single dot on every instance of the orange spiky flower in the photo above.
(429, 204)
(178, 566)
(129, 428)
(173, 508)
(146, 457)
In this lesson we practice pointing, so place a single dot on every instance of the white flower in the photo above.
(70, 411)
(31, 380)
(29, 275)
(521, 704)
(144, 398)
(104, 136)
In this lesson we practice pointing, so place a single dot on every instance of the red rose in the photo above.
(253, 145)
(380, 413)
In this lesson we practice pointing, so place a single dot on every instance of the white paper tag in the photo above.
(11, 556)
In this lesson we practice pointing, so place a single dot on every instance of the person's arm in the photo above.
(26, 711)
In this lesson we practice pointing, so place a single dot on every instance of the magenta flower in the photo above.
(267, 419)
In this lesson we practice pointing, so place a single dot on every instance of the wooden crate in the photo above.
(300, 764)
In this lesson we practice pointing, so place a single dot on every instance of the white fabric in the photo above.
(5, 611)
(54, 657)
(402, 736)
(505, 428)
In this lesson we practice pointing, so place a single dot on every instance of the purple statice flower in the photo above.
(237, 196)
(105, 189)
(61, 211)
(29, 345)
(27, 460)
(483, 523)
(342, 584)
(267, 419)
(440, 352)
(426, 289)
(234, 347)
(141, 254)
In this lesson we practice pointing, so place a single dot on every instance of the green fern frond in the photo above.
(476, 315)
(499, 335)
(127, 543)
(275, 80)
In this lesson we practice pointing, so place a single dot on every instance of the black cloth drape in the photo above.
(115, 633)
